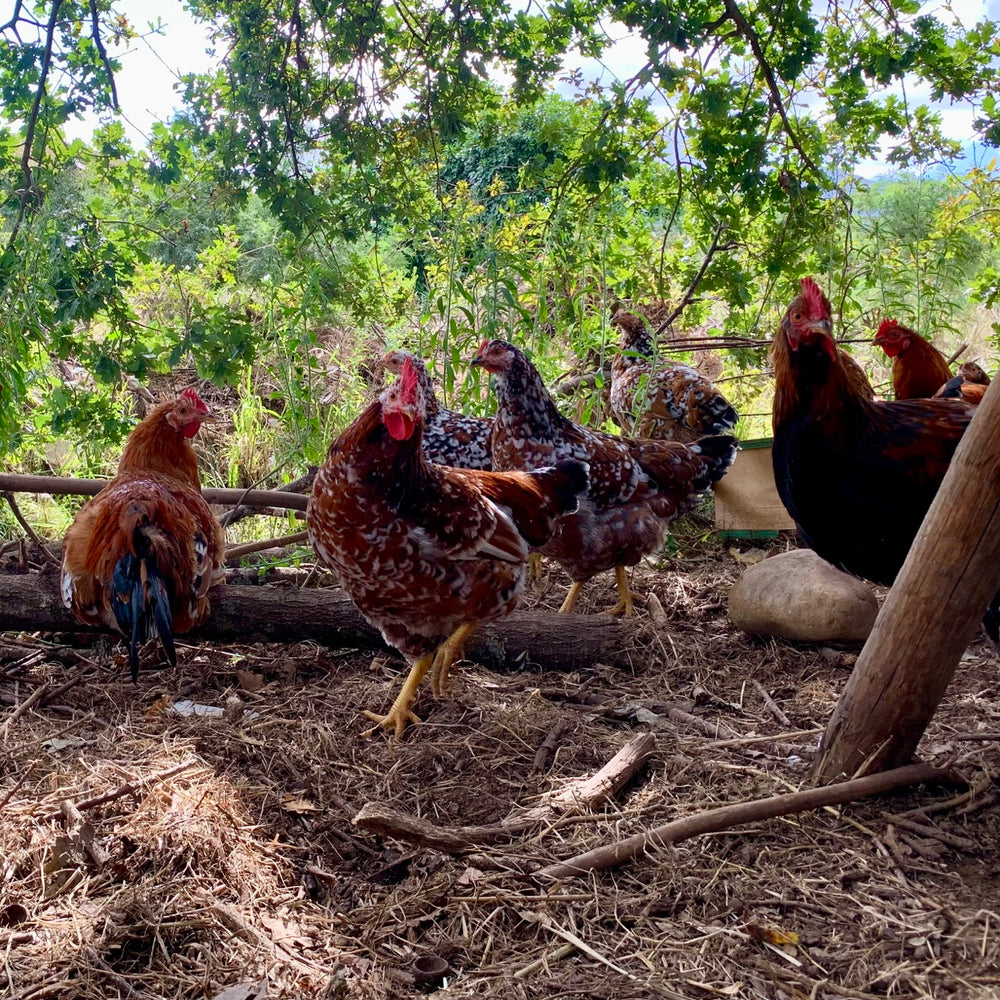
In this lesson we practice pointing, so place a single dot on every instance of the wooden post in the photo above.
(933, 610)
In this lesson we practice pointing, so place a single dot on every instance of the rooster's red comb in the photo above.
(191, 395)
(408, 380)
(885, 326)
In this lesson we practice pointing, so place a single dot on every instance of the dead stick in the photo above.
(577, 796)
(9, 794)
(301, 485)
(91, 487)
(238, 551)
(933, 833)
(770, 703)
(36, 696)
(129, 788)
(547, 748)
(726, 817)
(955, 355)
(28, 530)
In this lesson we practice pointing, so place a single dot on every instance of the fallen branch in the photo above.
(238, 551)
(726, 817)
(579, 796)
(32, 603)
(91, 487)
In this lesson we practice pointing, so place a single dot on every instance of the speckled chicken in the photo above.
(141, 556)
(637, 485)
(427, 551)
(450, 438)
(659, 399)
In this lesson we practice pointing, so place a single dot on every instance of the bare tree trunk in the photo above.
(933, 610)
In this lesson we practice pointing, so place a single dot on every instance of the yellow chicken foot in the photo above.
(626, 596)
(448, 652)
(399, 715)
(534, 566)
(571, 595)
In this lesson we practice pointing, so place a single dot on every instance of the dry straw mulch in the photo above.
(151, 849)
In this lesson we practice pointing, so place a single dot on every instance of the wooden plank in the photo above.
(746, 499)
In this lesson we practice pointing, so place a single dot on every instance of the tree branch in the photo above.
(91, 487)
(693, 287)
(103, 52)
(746, 30)
(29, 135)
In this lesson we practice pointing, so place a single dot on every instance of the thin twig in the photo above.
(129, 788)
(28, 530)
(33, 699)
(770, 703)
(95, 33)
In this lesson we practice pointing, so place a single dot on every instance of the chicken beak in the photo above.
(208, 415)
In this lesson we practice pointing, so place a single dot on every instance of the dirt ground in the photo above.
(191, 836)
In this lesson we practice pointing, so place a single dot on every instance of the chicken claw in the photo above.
(400, 714)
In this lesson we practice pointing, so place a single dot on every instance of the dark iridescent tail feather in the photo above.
(141, 603)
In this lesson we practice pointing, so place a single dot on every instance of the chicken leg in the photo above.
(571, 596)
(400, 714)
(448, 652)
(626, 596)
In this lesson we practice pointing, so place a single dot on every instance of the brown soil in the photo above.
(148, 852)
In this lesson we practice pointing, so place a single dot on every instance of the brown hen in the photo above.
(141, 556)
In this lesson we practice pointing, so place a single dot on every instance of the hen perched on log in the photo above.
(141, 556)
(426, 551)
(657, 399)
(637, 485)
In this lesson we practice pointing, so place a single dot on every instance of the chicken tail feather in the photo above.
(570, 479)
(718, 452)
(141, 602)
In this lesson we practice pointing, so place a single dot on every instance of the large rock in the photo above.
(796, 595)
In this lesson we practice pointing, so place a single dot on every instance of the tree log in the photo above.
(31, 602)
(91, 487)
(932, 611)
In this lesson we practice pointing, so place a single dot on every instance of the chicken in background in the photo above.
(857, 475)
(958, 388)
(141, 556)
(426, 551)
(653, 398)
(973, 373)
(450, 438)
(637, 485)
(969, 384)
(919, 369)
